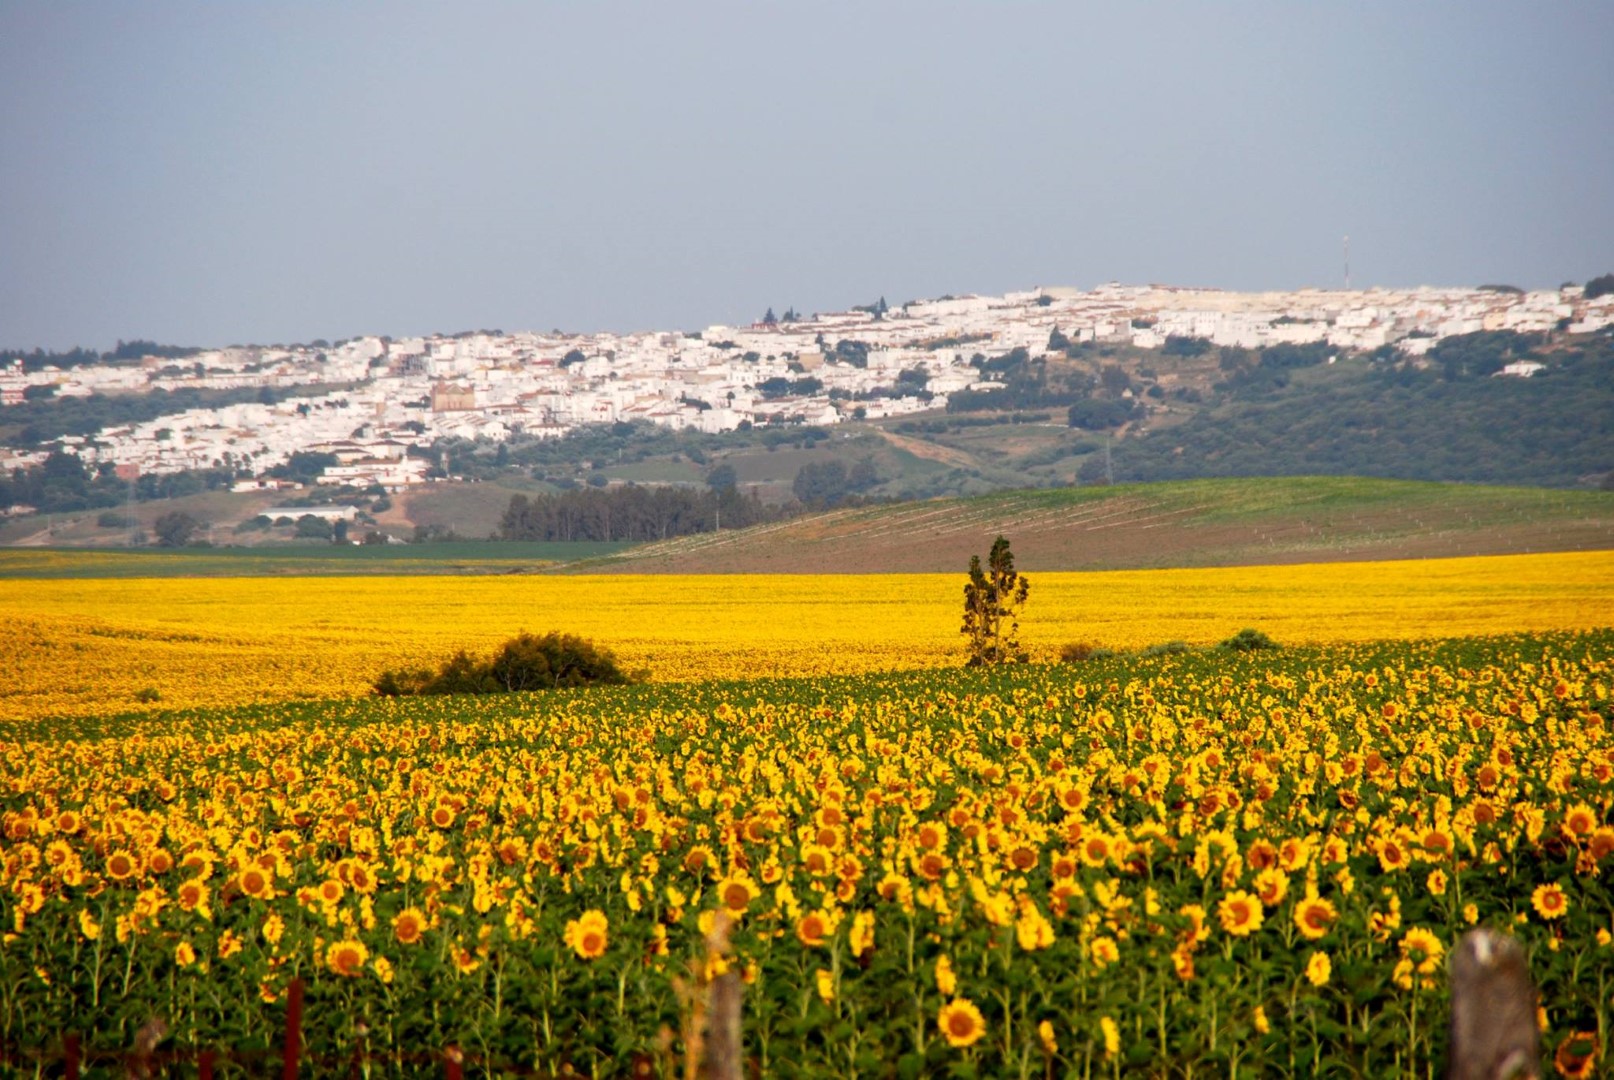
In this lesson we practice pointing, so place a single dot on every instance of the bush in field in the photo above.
(1248, 640)
(1079, 652)
(1168, 648)
(543, 663)
(525, 662)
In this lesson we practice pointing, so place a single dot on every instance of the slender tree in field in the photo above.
(993, 598)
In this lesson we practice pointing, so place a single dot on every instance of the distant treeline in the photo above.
(63, 484)
(630, 513)
(42, 419)
(39, 359)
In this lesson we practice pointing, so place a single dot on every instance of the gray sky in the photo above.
(213, 173)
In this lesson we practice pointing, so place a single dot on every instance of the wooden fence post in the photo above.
(294, 1030)
(1493, 1010)
(453, 1063)
(72, 1055)
(725, 1054)
(140, 1064)
(204, 1065)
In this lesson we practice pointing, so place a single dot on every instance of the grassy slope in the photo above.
(1178, 523)
(1186, 523)
(465, 557)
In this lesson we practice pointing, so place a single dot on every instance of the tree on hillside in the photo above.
(992, 600)
(722, 478)
(175, 528)
(1599, 286)
(820, 483)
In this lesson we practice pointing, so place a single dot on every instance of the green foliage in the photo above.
(1602, 285)
(304, 465)
(1247, 640)
(1182, 346)
(523, 664)
(632, 512)
(38, 359)
(821, 484)
(1099, 414)
(779, 386)
(1079, 652)
(310, 527)
(40, 420)
(1481, 354)
(555, 660)
(722, 478)
(855, 353)
(992, 601)
(175, 528)
(1027, 384)
(434, 533)
(1167, 648)
(1185, 346)
(1448, 421)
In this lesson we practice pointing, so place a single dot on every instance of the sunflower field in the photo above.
(1195, 863)
(89, 647)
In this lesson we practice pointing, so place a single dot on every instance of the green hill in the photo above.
(1364, 417)
(1182, 523)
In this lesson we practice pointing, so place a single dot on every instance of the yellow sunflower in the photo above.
(961, 1022)
(347, 957)
(408, 926)
(1313, 917)
(1549, 901)
(1240, 913)
(587, 934)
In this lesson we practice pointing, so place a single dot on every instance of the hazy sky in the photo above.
(213, 173)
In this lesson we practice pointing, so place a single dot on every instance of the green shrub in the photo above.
(543, 663)
(524, 663)
(1078, 652)
(1169, 648)
(1248, 640)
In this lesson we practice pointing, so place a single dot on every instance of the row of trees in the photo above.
(44, 418)
(39, 359)
(822, 484)
(630, 513)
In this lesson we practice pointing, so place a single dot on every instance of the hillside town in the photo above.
(374, 399)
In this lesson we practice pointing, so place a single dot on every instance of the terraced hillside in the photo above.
(1190, 523)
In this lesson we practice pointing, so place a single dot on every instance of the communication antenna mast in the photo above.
(1347, 264)
(134, 519)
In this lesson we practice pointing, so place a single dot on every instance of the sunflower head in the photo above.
(588, 934)
(1549, 901)
(961, 1022)
(346, 957)
(1240, 913)
(408, 926)
(1313, 917)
